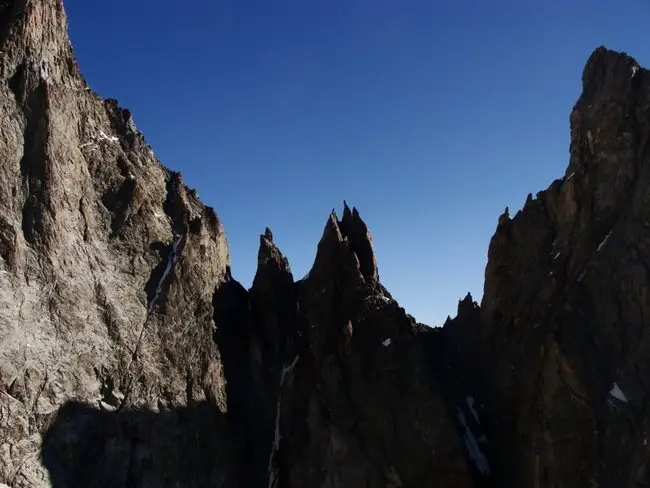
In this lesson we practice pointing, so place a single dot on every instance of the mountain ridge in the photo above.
(130, 356)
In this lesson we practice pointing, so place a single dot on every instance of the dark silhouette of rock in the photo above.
(130, 356)
(562, 358)
(359, 406)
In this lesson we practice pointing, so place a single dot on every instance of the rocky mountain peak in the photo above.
(355, 229)
(558, 309)
(466, 305)
(35, 46)
(345, 249)
(609, 71)
(269, 253)
(130, 356)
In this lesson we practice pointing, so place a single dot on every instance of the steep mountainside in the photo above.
(129, 355)
(108, 269)
(563, 320)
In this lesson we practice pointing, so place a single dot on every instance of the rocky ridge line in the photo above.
(129, 356)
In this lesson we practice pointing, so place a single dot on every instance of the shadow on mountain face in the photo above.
(193, 446)
(183, 447)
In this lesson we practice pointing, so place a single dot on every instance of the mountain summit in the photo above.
(130, 355)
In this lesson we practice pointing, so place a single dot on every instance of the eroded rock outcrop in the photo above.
(563, 318)
(361, 408)
(108, 270)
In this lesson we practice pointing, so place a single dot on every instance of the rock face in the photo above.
(358, 407)
(108, 271)
(129, 355)
(562, 324)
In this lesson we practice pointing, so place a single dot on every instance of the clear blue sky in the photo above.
(429, 116)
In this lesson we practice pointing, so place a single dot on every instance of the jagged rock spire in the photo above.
(355, 229)
(268, 251)
(466, 305)
(504, 217)
(347, 244)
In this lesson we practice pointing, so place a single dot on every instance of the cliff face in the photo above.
(562, 324)
(129, 355)
(109, 265)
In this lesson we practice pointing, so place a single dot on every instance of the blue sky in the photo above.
(429, 116)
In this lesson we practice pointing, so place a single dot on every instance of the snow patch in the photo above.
(273, 473)
(171, 259)
(44, 75)
(617, 393)
(604, 241)
(470, 404)
(570, 176)
(556, 256)
(95, 139)
(103, 137)
(635, 70)
(472, 446)
(387, 342)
